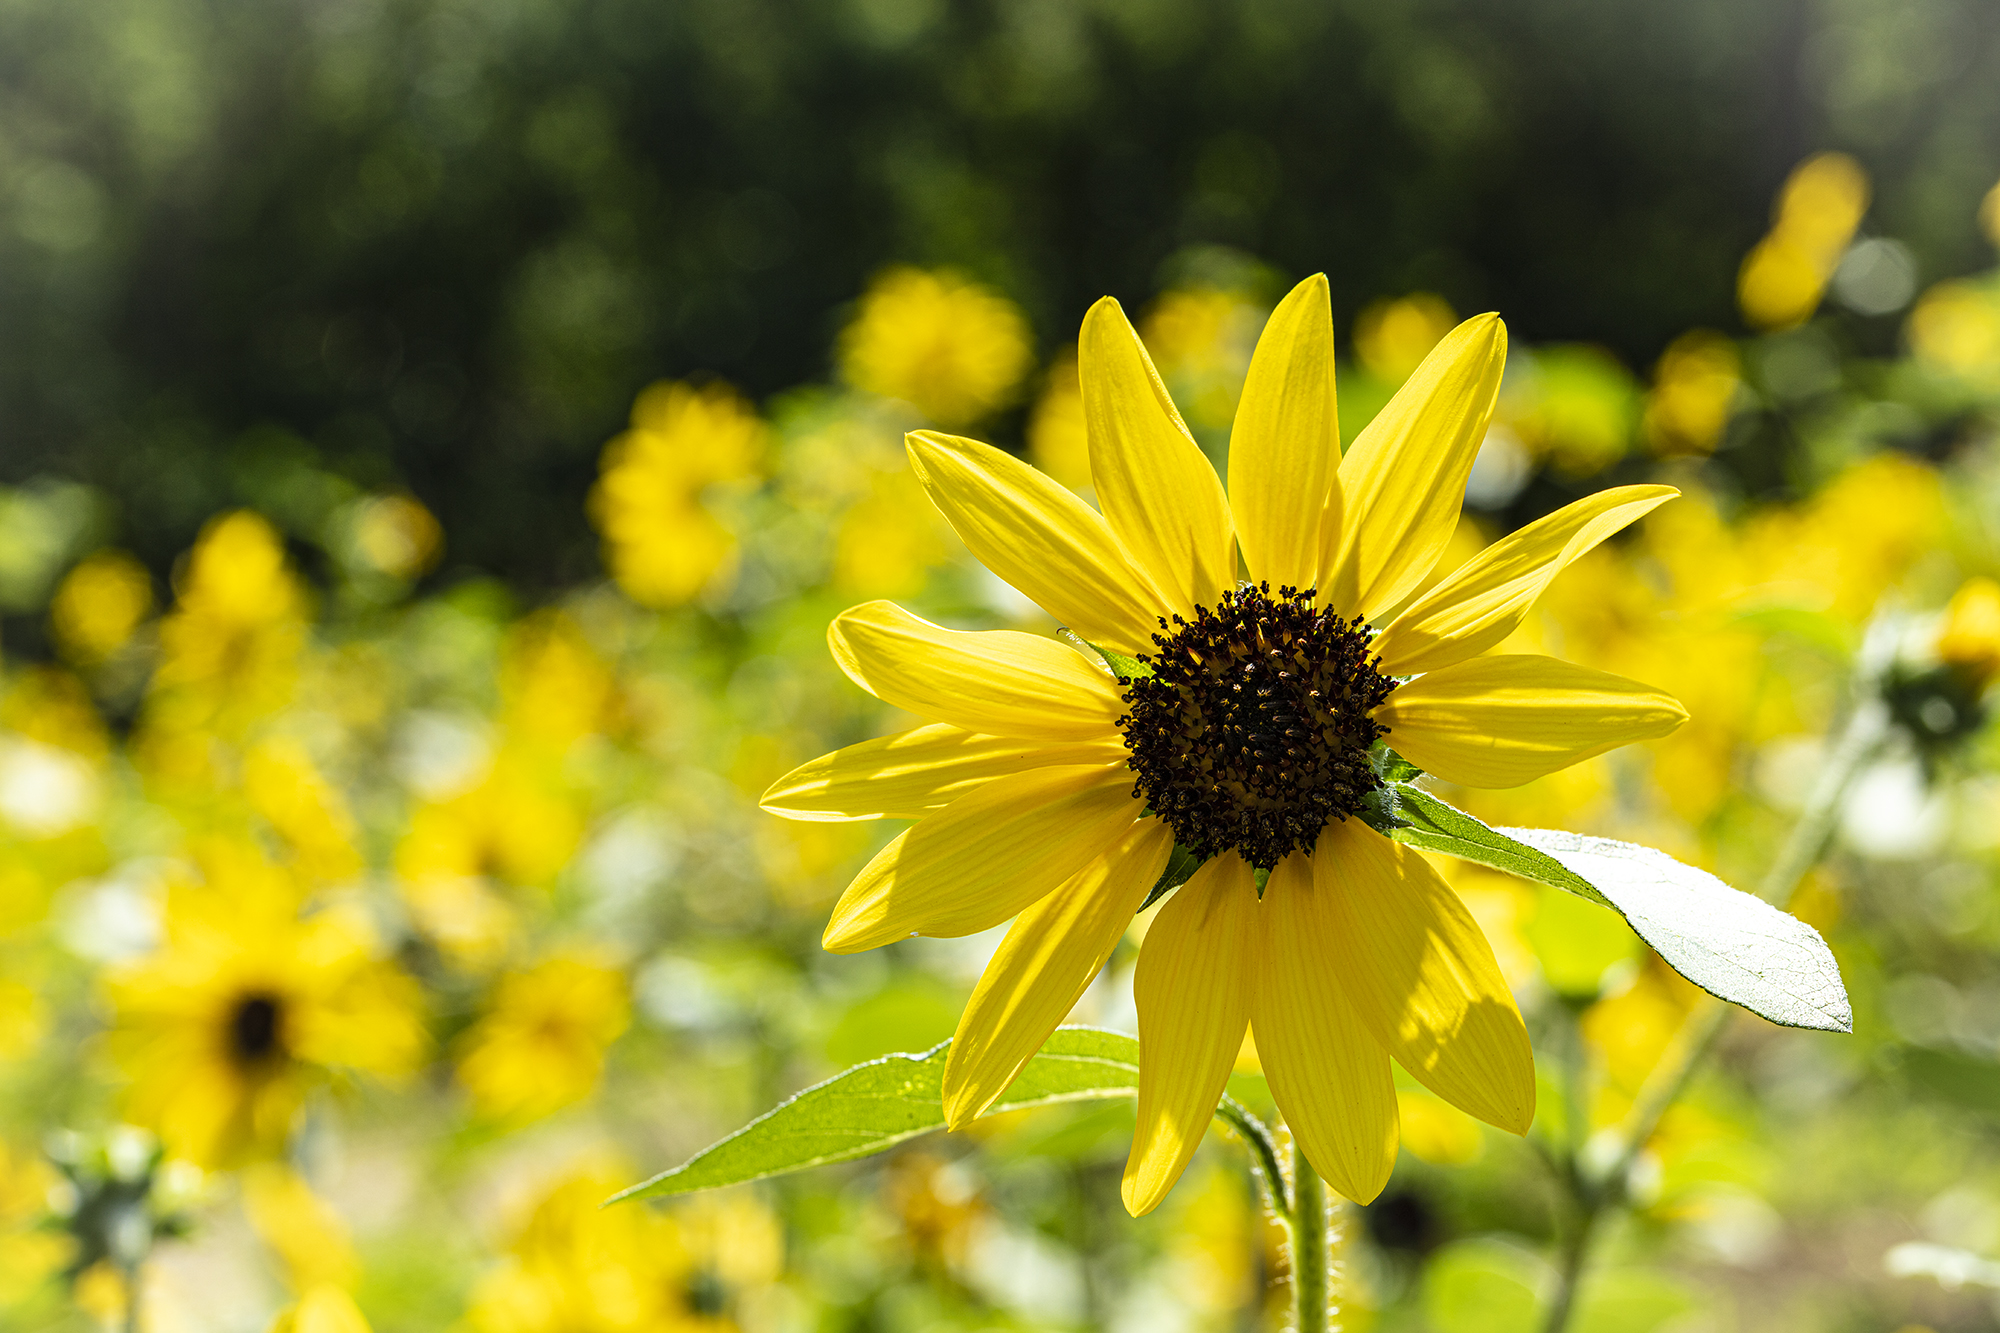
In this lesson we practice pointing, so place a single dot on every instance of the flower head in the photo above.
(952, 349)
(248, 1008)
(1238, 725)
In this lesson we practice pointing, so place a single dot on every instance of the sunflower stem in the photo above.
(1594, 1193)
(1311, 1248)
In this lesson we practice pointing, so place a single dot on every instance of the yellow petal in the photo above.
(1403, 482)
(1039, 537)
(1156, 487)
(1477, 606)
(1509, 718)
(1285, 443)
(1422, 977)
(999, 682)
(985, 856)
(1049, 958)
(912, 773)
(1193, 991)
(1328, 1074)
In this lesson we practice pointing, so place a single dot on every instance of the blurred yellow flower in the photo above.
(951, 348)
(514, 827)
(301, 1227)
(323, 1309)
(98, 605)
(1392, 337)
(1573, 405)
(889, 539)
(541, 1045)
(303, 808)
(395, 535)
(229, 650)
(577, 1267)
(1955, 328)
(1818, 210)
(1969, 638)
(662, 541)
(1201, 340)
(555, 689)
(1056, 440)
(1694, 388)
(247, 1008)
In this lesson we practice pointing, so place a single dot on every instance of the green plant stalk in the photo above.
(1311, 1248)
(1593, 1194)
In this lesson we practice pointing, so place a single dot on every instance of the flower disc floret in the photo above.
(1252, 733)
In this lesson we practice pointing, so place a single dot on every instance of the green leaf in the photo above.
(1180, 869)
(880, 1104)
(1733, 945)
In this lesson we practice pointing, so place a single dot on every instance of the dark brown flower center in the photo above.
(1253, 731)
(255, 1028)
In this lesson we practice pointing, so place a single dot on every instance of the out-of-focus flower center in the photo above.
(254, 1028)
(1253, 731)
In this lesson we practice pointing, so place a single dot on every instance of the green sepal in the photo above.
(1390, 766)
(1180, 869)
(1123, 667)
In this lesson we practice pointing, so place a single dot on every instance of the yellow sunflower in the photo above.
(1053, 790)
(248, 1008)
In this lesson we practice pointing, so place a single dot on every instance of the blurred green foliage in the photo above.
(441, 244)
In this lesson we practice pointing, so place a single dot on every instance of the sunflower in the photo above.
(1241, 726)
(248, 1008)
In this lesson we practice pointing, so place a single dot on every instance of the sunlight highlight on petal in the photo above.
(1421, 976)
(1193, 990)
(1039, 537)
(1403, 482)
(1049, 958)
(1329, 1075)
(1503, 720)
(1481, 603)
(1157, 488)
(984, 857)
(999, 682)
(1285, 443)
(915, 772)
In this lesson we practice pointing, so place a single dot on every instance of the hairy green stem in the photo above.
(1593, 1193)
(1311, 1248)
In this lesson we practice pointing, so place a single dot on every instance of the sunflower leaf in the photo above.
(1180, 869)
(1733, 945)
(1390, 766)
(879, 1104)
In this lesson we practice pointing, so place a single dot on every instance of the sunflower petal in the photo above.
(1476, 607)
(1158, 490)
(1421, 976)
(915, 772)
(1403, 482)
(1285, 444)
(997, 682)
(1039, 537)
(985, 856)
(1193, 990)
(1328, 1074)
(1509, 718)
(1042, 968)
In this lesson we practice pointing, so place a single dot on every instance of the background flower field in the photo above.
(394, 655)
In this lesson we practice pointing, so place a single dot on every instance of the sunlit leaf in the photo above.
(1733, 945)
(880, 1104)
